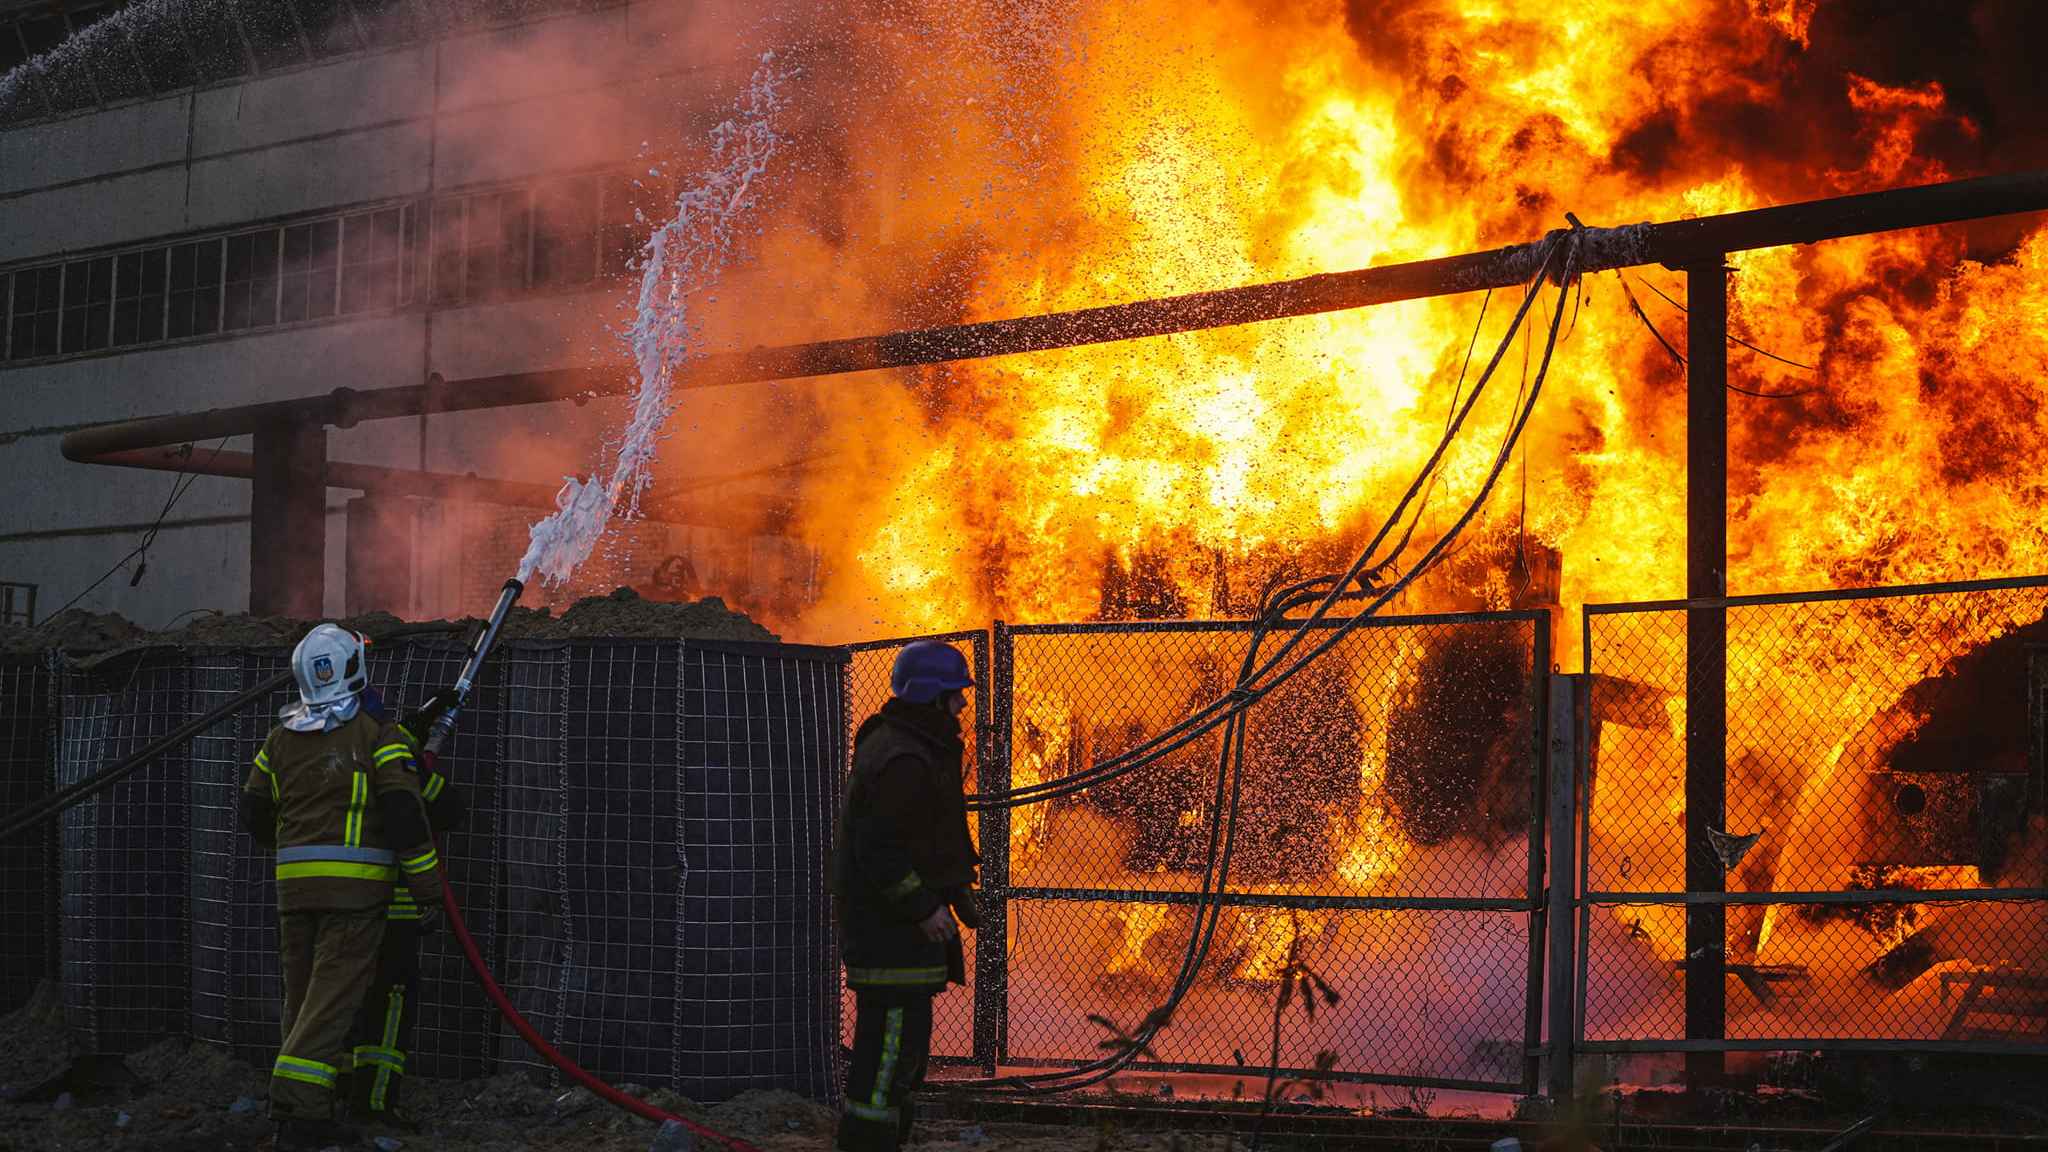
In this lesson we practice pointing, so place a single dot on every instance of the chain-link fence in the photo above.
(954, 1039)
(1387, 838)
(1816, 821)
(643, 859)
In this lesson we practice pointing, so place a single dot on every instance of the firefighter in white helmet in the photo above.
(335, 792)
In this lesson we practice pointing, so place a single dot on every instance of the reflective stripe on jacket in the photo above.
(326, 795)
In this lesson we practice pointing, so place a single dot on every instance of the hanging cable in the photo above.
(1732, 337)
(1265, 679)
(1636, 306)
(1209, 902)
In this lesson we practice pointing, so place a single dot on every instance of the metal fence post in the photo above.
(1538, 749)
(1706, 659)
(991, 944)
(1567, 703)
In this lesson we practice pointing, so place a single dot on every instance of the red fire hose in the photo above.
(548, 1052)
(443, 727)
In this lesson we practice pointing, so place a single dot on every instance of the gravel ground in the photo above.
(180, 1096)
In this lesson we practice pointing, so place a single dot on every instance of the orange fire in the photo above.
(1172, 150)
(1033, 161)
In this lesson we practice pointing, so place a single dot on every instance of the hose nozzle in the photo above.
(444, 725)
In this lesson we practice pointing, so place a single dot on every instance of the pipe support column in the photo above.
(288, 522)
(1706, 651)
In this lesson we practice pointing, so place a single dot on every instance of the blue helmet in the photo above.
(928, 669)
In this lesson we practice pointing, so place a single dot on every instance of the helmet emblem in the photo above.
(323, 669)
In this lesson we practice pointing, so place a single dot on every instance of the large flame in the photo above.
(1176, 150)
(1043, 160)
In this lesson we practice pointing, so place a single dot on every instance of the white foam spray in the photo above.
(685, 256)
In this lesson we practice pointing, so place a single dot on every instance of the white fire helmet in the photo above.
(330, 665)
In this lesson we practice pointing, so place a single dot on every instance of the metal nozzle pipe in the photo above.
(444, 725)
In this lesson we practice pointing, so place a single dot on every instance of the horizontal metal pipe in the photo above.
(1274, 900)
(340, 474)
(1677, 242)
(1856, 896)
(1821, 1044)
(406, 482)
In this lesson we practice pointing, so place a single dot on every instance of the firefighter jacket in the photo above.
(903, 850)
(343, 810)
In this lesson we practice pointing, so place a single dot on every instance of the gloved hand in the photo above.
(939, 925)
(430, 919)
(421, 719)
(964, 907)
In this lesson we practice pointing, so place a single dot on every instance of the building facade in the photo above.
(207, 204)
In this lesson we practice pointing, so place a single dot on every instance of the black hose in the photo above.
(121, 769)
(128, 765)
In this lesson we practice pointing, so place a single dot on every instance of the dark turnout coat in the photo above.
(903, 850)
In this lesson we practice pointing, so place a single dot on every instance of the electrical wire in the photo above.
(1732, 337)
(180, 484)
(1636, 306)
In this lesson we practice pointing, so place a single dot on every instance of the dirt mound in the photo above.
(622, 614)
(73, 630)
(625, 614)
(760, 1113)
(39, 1047)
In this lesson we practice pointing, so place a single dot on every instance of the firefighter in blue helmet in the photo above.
(903, 870)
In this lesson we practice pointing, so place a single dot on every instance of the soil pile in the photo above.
(622, 614)
(72, 630)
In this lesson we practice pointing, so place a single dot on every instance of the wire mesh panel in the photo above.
(126, 853)
(867, 689)
(532, 843)
(28, 875)
(761, 741)
(648, 820)
(236, 989)
(1880, 858)
(620, 868)
(1384, 837)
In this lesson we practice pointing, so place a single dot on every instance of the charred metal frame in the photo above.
(1705, 898)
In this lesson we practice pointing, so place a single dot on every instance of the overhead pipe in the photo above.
(1677, 244)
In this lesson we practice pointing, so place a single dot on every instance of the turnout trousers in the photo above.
(328, 957)
(384, 1026)
(892, 1040)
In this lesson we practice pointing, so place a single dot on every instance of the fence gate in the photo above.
(1389, 838)
(1812, 822)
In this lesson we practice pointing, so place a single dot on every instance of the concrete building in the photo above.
(214, 203)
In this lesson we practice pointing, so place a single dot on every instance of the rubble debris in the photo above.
(40, 1050)
(673, 1137)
